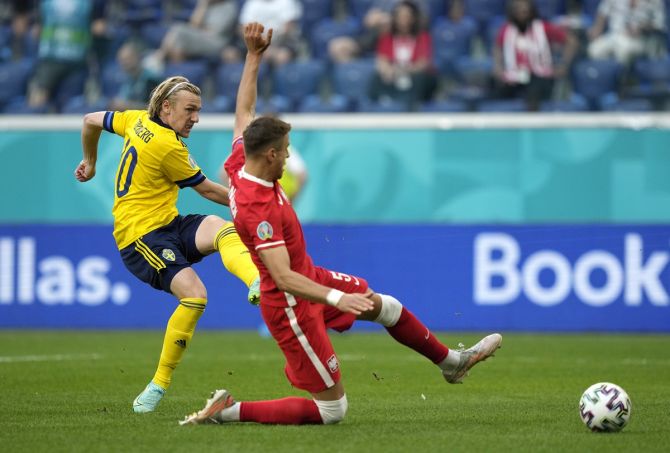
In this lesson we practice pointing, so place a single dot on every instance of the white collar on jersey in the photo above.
(245, 175)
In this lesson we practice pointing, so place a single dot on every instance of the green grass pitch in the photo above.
(72, 391)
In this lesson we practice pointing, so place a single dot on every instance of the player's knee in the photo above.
(332, 411)
(390, 311)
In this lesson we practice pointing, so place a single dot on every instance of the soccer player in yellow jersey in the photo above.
(156, 243)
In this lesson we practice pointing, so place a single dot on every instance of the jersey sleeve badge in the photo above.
(264, 230)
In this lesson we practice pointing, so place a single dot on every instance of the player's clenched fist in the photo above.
(254, 39)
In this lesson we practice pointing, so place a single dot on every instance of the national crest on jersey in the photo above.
(154, 164)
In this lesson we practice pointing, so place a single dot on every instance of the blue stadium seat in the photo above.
(502, 105)
(274, 105)
(352, 80)
(138, 12)
(483, 11)
(314, 11)
(111, 79)
(590, 7)
(384, 106)
(228, 78)
(450, 106)
(79, 104)
(573, 104)
(298, 79)
(72, 86)
(328, 29)
(452, 40)
(474, 76)
(220, 104)
(612, 103)
(315, 104)
(194, 70)
(14, 78)
(358, 8)
(183, 13)
(493, 27)
(653, 78)
(595, 78)
(153, 33)
(548, 9)
(19, 106)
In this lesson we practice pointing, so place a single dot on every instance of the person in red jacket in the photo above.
(404, 59)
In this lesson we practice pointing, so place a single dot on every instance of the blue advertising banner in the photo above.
(476, 277)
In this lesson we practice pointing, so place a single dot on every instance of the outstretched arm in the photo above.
(90, 135)
(245, 108)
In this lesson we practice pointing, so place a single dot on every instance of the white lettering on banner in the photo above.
(6, 271)
(54, 280)
(504, 267)
(500, 277)
(644, 276)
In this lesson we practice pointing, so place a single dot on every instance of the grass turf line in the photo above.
(77, 396)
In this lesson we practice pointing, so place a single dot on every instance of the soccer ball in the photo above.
(605, 407)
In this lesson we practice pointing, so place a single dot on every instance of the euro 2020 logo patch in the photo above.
(264, 230)
(168, 254)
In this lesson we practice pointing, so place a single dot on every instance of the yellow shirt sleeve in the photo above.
(117, 122)
(180, 167)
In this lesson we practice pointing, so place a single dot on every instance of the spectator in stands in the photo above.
(522, 56)
(66, 30)
(626, 29)
(283, 17)
(19, 14)
(209, 31)
(404, 70)
(138, 81)
(376, 21)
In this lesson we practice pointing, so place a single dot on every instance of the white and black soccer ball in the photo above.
(605, 407)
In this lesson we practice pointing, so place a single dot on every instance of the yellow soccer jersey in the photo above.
(154, 165)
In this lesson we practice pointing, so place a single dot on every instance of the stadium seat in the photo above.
(474, 76)
(14, 78)
(352, 80)
(502, 105)
(358, 8)
(383, 106)
(573, 104)
(451, 106)
(220, 104)
(153, 33)
(653, 78)
(194, 70)
(590, 7)
(483, 11)
(138, 12)
(595, 78)
(298, 79)
(70, 87)
(452, 40)
(314, 11)
(111, 79)
(327, 29)
(493, 27)
(612, 103)
(548, 9)
(228, 78)
(274, 105)
(79, 104)
(19, 106)
(315, 104)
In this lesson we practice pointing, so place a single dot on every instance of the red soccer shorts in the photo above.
(300, 332)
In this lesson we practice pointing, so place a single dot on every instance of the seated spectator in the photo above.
(66, 30)
(376, 21)
(20, 15)
(283, 17)
(624, 29)
(522, 57)
(210, 29)
(404, 70)
(138, 81)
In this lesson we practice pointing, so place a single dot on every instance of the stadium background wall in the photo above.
(512, 222)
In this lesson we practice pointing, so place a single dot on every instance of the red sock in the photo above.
(412, 333)
(285, 411)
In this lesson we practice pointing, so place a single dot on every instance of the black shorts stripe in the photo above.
(149, 255)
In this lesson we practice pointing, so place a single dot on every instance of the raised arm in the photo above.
(245, 108)
(90, 135)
